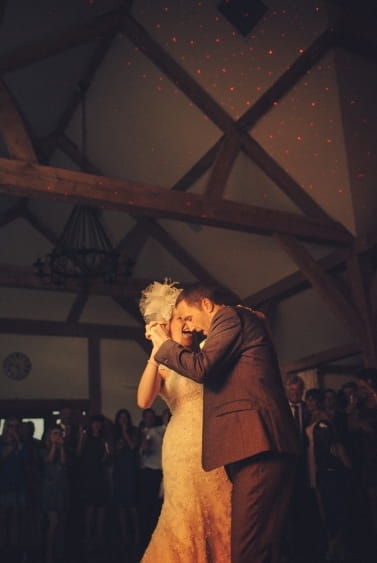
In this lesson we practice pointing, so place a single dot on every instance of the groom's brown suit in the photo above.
(247, 425)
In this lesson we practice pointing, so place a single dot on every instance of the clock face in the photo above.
(17, 365)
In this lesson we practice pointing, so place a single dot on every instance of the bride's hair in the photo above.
(158, 300)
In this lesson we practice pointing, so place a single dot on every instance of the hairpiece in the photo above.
(158, 300)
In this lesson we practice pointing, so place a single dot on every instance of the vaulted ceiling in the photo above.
(213, 155)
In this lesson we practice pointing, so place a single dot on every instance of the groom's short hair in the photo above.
(194, 293)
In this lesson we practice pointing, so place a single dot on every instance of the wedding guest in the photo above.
(93, 455)
(55, 493)
(12, 486)
(125, 472)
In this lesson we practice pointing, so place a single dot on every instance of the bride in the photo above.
(194, 523)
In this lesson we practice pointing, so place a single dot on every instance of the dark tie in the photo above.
(296, 416)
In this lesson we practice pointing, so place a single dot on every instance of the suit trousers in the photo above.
(261, 492)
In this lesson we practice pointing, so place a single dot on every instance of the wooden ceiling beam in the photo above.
(13, 129)
(133, 242)
(338, 369)
(71, 149)
(57, 137)
(283, 180)
(78, 306)
(320, 358)
(199, 168)
(297, 70)
(40, 226)
(52, 45)
(178, 252)
(296, 282)
(325, 286)
(222, 168)
(182, 79)
(21, 277)
(32, 180)
(74, 330)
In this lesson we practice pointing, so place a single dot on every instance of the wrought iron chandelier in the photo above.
(83, 251)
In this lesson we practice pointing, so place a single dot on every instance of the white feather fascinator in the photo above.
(158, 300)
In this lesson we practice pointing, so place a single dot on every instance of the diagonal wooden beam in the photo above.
(48, 145)
(54, 44)
(360, 295)
(321, 358)
(71, 149)
(296, 282)
(199, 168)
(325, 286)
(78, 306)
(153, 50)
(133, 242)
(282, 179)
(320, 46)
(39, 226)
(222, 168)
(178, 251)
(13, 129)
(25, 178)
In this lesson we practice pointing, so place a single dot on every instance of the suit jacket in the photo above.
(245, 408)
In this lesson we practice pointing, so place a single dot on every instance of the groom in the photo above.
(247, 424)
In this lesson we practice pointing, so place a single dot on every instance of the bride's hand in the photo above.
(150, 325)
(159, 334)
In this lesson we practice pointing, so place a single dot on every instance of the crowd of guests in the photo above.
(87, 491)
(334, 504)
(93, 491)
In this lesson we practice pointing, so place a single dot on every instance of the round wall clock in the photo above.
(17, 365)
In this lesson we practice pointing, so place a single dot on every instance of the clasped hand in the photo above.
(157, 332)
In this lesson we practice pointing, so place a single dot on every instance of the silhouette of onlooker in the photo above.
(150, 474)
(125, 477)
(298, 526)
(55, 493)
(328, 466)
(93, 456)
(12, 487)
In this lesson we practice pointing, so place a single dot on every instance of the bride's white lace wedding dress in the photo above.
(194, 524)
